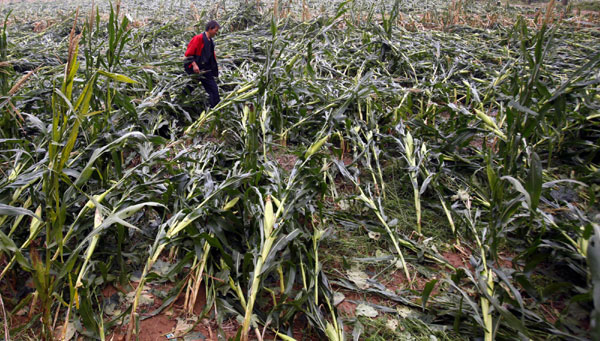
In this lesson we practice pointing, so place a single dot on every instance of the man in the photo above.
(201, 59)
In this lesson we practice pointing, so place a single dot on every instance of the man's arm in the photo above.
(195, 67)
(195, 49)
(193, 46)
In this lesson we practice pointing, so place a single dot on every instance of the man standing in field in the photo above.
(201, 59)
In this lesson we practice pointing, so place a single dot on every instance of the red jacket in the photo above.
(202, 50)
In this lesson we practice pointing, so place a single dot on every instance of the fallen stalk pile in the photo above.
(354, 157)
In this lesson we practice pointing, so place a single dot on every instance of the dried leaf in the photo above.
(392, 324)
(338, 298)
(366, 310)
(374, 235)
(359, 278)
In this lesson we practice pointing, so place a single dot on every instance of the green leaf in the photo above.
(273, 28)
(17, 211)
(315, 147)
(117, 77)
(509, 318)
(519, 187)
(534, 180)
(427, 291)
(280, 244)
(83, 102)
(87, 312)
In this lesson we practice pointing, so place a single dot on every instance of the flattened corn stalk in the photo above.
(270, 231)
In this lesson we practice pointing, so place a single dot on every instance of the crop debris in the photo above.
(375, 170)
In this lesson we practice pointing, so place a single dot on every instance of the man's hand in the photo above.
(195, 67)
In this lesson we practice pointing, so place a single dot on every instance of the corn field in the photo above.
(376, 170)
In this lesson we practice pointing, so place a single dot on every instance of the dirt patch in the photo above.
(172, 320)
(199, 304)
(399, 282)
(40, 26)
(551, 311)
(14, 288)
(109, 290)
(459, 257)
(286, 161)
(151, 329)
(457, 260)
(347, 309)
(352, 299)
(347, 159)
(155, 328)
(505, 260)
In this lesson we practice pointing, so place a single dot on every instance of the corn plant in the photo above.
(4, 81)
(269, 230)
(69, 112)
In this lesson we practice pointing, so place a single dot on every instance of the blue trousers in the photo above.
(210, 85)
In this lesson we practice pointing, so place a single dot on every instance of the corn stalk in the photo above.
(413, 171)
(173, 227)
(270, 230)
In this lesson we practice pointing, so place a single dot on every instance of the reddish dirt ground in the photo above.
(286, 161)
(347, 309)
(158, 326)
(457, 259)
(398, 281)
